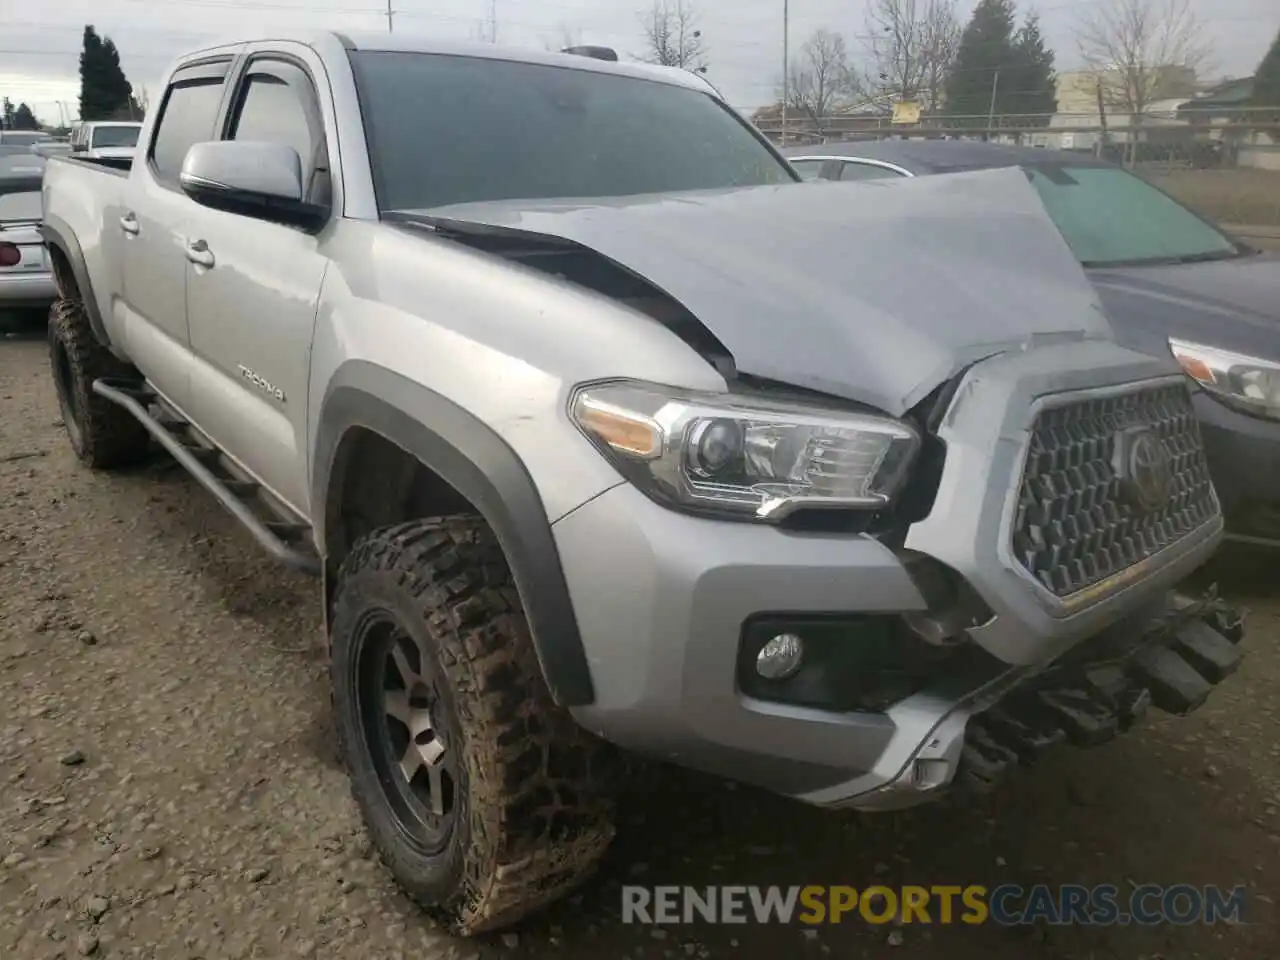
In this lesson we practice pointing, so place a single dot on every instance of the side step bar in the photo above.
(229, 492)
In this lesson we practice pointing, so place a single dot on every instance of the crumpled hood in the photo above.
(876, 292)
(1233, 304)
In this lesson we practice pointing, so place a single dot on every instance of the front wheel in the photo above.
(482, 796)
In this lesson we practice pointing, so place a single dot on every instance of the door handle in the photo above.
(129, 224)
(198, 252)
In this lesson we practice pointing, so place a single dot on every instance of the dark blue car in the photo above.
(1170, 281)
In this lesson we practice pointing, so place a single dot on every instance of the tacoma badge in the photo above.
(266, 386)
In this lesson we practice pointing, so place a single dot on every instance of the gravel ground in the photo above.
(168, 785)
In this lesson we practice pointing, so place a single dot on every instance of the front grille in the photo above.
(1078, 519)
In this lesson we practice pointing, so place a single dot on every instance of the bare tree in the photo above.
(672, 35)
(939, 40)
(1142, 51)
(911, 44)
(821, 80)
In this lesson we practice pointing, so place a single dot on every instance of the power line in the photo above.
(75, 53)
(256, 5)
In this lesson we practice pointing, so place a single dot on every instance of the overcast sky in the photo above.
(40, 41)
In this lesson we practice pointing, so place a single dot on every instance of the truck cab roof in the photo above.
(331, 42)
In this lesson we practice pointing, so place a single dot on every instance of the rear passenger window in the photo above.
(865, 171)
(186, 117)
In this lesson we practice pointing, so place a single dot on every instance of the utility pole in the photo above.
(786, 65)
(390, 14)
(991, 111)
(1101, 146)
(493, 21)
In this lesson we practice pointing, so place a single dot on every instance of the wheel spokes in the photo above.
(432, 753)
(408, 701)
(435, 782)
(409, 677)
(396, 703)
(411, 762)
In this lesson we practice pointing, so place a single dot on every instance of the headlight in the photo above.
(745, 456)
(1250, 384)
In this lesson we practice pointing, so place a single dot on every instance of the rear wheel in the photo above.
(103, 435)
(483, 797)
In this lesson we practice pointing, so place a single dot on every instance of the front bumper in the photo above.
(664, 601)
(1244, 457)
(27, 290)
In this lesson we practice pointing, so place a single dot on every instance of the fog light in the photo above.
(780, 657)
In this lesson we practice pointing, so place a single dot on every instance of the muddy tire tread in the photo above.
(111, 437)
(539, 806)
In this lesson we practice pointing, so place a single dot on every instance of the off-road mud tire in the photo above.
(104, 435)
(535, 810)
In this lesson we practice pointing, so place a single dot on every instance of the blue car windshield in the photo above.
(1109, 217)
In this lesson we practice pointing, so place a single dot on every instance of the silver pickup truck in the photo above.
(608, 436)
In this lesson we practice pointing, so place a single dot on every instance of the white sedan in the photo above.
(26, 279)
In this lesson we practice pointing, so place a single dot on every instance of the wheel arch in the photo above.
(68, 258)
(465, 461)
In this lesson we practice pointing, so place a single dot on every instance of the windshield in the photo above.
(452, 129)
(115, 137)
(1110, 217)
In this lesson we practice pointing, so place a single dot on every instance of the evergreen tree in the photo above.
(983, 62)
(1032, 86)
(1266, 83)
(24, 119)
(105, 93)
(8, 113)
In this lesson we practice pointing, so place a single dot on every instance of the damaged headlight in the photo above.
(1249, 384)
(745, 455)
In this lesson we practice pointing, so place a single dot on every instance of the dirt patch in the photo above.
(1231, 196)
(168, 786)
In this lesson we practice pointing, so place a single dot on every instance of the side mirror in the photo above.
(253, 179)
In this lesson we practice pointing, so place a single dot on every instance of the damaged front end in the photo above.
(1054, 495)
(1169, 658)
(1105, 685)
(1050, 546)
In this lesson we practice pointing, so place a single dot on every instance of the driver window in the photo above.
(278, 105)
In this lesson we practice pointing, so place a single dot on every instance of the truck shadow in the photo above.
(1139, 810)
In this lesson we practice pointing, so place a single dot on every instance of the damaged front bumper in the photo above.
(1031, 605)
(1171, 661)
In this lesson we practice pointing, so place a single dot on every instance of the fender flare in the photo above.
(57, 233)
(481, 466)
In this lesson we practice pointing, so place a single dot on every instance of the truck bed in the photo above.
(82, 203)
(113, 165)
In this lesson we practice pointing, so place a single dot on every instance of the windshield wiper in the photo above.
(1206, 257)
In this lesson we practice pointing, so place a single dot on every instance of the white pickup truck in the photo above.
(603, 429)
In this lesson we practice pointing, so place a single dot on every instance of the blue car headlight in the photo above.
(1248, 384)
